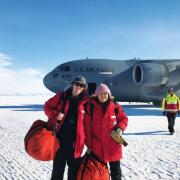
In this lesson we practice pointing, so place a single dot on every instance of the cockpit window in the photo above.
(65, 68)
(55, 75)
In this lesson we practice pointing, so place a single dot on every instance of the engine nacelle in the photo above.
(150, 74)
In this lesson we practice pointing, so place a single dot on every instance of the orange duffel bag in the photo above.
(41, 143)
(92, 169)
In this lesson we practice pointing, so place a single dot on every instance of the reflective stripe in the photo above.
(171, 110)
(113, 117)
(172, 102)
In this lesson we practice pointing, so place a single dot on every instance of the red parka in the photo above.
(53, 107)
(99, 127)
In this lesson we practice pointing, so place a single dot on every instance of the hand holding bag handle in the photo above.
(41, 143)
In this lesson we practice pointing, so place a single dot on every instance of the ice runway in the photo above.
(151, 154)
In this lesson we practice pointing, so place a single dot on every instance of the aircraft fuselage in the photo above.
(129, 80)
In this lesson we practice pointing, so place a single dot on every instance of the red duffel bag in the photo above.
(92, 169)
(41, 143)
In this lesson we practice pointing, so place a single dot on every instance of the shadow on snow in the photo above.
(142, 110)
(131, 110)
(32, 107)
(153, 133)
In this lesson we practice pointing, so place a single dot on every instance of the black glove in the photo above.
(164, 113)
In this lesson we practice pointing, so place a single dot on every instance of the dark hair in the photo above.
(69, 91)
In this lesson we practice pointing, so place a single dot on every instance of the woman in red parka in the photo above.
(68, 108)
(100, 123)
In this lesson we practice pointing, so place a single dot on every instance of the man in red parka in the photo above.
(99, 124)
(67, 109)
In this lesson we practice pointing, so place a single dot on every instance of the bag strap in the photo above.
(116, 110)
(91, 109)
(62, 99)
(85, 165)
(91, 114)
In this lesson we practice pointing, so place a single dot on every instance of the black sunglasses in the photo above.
(78, 84)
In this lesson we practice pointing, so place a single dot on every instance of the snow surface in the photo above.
(151, 154)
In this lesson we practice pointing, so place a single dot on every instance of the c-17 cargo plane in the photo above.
(131, 80)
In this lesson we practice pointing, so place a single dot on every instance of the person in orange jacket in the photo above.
(67, 108)
(99, 124)
(171, 106)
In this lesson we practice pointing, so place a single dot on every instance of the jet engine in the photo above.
(150, 74)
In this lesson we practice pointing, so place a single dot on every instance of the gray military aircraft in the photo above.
(131, 80)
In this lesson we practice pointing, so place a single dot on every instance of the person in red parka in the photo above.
(99, 123)
(67, 108)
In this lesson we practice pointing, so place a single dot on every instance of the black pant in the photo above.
(115, 170)
(171, 121)
(65, 155)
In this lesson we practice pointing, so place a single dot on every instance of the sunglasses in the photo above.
(78, 84)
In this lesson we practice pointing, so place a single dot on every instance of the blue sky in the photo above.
(38, 35)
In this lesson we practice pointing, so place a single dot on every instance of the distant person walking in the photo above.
(68, 107)
(171, 106)
(102, 118)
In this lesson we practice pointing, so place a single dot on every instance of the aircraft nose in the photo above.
(48, 81)
(55, 81)
(51, 82)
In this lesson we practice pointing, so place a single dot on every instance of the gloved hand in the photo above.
(119, 131)
(60, 116)
(164, 113)
(116, 135)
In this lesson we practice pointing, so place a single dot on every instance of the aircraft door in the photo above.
(91, 88)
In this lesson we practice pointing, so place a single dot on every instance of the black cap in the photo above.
(80, 80)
